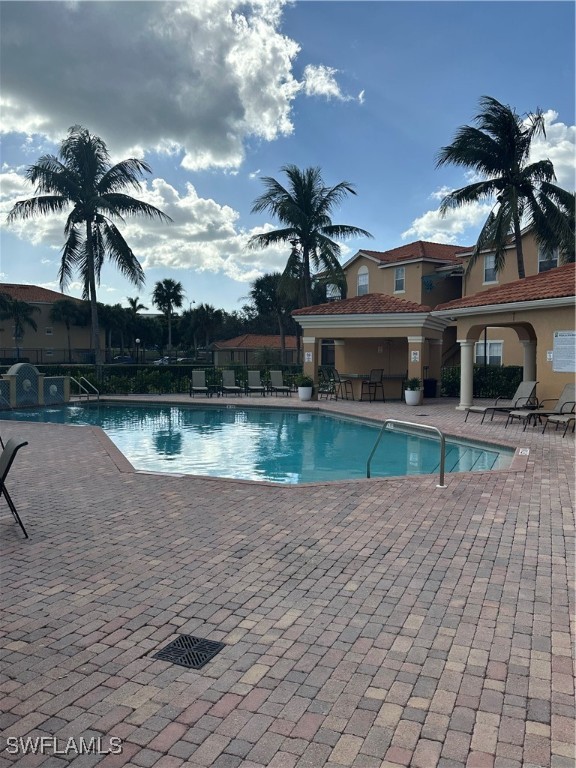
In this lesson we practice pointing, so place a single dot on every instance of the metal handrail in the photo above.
(83, 389)
(418, 426)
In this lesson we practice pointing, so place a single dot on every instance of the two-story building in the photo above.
(403, 315)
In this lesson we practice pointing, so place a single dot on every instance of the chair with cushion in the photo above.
(564, 405)
(229, 385)
(7, 457)
(371, 385)
(255, 383)
(524, 397)
(198, 383)
(277, 383)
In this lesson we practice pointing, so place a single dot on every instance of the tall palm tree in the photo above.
(20, 312)
(70, 313)
(82, 176)
(304, 207)
(498, 148)
(134, 304)
(168, 295)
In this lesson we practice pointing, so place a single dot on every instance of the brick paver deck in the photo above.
(367, 623)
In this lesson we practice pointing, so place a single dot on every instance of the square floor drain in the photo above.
(189, 651)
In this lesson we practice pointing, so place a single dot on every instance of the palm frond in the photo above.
(126, 173)
(120, 254)
(26, 209)
(124, 205)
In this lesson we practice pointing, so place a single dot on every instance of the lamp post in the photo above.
(137, 351)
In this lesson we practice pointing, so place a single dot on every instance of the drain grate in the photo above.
(189, 651)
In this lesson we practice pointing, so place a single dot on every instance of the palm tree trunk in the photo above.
(518, 243)
(282, 338)
(92, 287)
(306, 276)
(169, 331)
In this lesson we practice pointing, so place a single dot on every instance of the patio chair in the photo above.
(229, 386)
(326, 386)
(371, 385)
(277, 384)
(564, 405)
(255, 384)
(342, 387)
(524, 397)
(7, 457)
(566, 419)
(198, 383)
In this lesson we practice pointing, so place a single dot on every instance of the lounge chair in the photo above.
(371, 385)
(255, 384)
(229, 386)
(566, 419)
(524, 397)
(6, 459)
(198, 383)
(564, 405)
(277, 384)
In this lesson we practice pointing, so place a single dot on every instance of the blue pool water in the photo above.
(282, 446)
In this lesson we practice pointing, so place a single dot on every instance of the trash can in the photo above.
(430, 387)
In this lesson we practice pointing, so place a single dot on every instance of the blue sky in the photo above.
(215, 94)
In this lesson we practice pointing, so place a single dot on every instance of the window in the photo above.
(490, 268)
(493, 351)
(399, 279)
(48, 331)
(362, 286)
(547, 258)
(333, 292)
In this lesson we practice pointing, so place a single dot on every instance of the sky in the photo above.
(216, 94)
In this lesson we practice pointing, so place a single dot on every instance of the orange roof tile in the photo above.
(370, 304)
(255, 341)
(421, 249)
(554, 284)
(33, 293)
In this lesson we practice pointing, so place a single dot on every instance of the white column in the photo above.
(466, 373)
(529, 373)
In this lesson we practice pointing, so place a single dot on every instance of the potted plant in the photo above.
(413, 391)
(305, 386)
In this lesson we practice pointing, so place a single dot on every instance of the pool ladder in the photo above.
(418, 426)
(83, 390)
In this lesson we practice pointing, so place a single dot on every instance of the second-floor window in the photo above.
(490, 268)
(333, 292)
(399, 279)
(362, 287)
(547, 258)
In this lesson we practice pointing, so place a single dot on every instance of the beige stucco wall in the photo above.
(375, 277)
(474, 282)
(48, 336)
(531, 323)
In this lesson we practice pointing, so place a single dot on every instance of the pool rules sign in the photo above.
(564, 353)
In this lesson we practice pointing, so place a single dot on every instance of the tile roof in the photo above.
(255, 341)
(370, 304)
(554, 284)
(420, 249)
(33, 293)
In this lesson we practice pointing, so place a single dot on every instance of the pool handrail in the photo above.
(83, 389)
(418, 426)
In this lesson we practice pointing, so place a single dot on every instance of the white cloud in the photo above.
(204, 235)
(321, 81)
(462, 225)
(198, 77)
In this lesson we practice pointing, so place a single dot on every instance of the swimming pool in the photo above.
(274, 445)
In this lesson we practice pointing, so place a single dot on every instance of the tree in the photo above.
(168, 295)
(270, 300)
(304, 207)
(498, 148)
(69, 313)
(82, 176)
(20, 312)
(134, 305)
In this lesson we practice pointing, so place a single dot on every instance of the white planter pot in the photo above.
(412, 396)
(305, 393)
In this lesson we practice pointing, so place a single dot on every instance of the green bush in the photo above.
(489, 381)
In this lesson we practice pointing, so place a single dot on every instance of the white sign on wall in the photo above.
(564, 352)
(415, 356)
(307, 357)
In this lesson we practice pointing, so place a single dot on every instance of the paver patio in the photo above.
(367, 623)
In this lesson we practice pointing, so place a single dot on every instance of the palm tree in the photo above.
(20, 312)
(82, 176)
(168, 295)
(498, 148)
(304, 208)
(70, 313)
(269, 299)
(134, 305)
